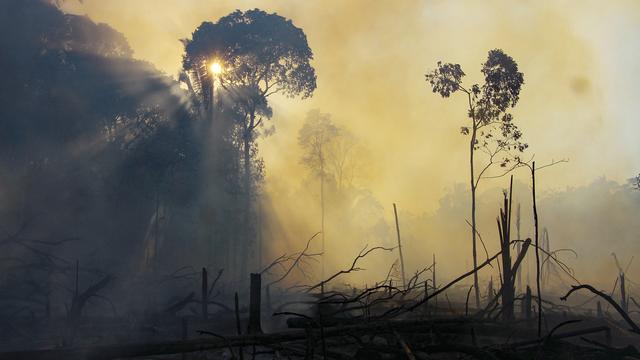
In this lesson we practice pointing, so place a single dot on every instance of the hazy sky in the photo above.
(580, 60)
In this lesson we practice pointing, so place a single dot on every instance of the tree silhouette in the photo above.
(262, 54)
(346, 157)
(491, 128)
(315, 137)
(88, 135)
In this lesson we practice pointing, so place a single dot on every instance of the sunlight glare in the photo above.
(215, 68)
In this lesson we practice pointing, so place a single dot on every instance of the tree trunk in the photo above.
(519, 271)
(473, 216)
(322, 214)
(404, 279)
(254, 304)
(504, 225)
(205, 293)
(623, 294)
(246, 241)
(527, 303)
(535, 222)
(156, 231)
(433, 282)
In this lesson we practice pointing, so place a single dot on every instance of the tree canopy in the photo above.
(260, 51)
(86, 128)
(491, 123)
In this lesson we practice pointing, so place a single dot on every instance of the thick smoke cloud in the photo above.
(87, 131)
(576, 103)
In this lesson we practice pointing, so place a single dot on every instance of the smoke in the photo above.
(371, 57)
(577, 103)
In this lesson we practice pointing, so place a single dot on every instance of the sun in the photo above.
(215, 67)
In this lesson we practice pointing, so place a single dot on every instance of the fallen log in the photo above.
(634, 327)
(203, 344)
(569, 334)
(404, 345)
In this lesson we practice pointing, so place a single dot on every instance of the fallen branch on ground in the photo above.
(625, 316)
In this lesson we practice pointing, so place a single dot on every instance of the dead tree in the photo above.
(490, 292)
(545, 269)
(535, 222)
(433, 283)
(494, 298)
(623, 294)
(238, 326)
(255, 326)
(80, 300)
(599, 313)
(404, 281)
(624, 302)
(78, 303)
(205, 294)
(532, 168)
(527, 303)
(519, 271)
(504, 229)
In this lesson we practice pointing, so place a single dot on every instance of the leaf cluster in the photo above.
(492, 128)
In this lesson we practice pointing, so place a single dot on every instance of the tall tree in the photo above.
(315, 138)
(345, 158)
(262, 54)
(86, 135)
(491, 128)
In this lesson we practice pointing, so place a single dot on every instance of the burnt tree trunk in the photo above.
(246, 241)
(254, 304)
(205, 293)
(504, 227)
(238, 327)
(433, 283)
(623, 294)
(535, 227)
(404, 281)
(599, 310)
(473, 216)
(527, 303)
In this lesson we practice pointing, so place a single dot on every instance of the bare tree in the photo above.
(491, 128)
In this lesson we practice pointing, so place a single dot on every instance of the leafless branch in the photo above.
(363, 253)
